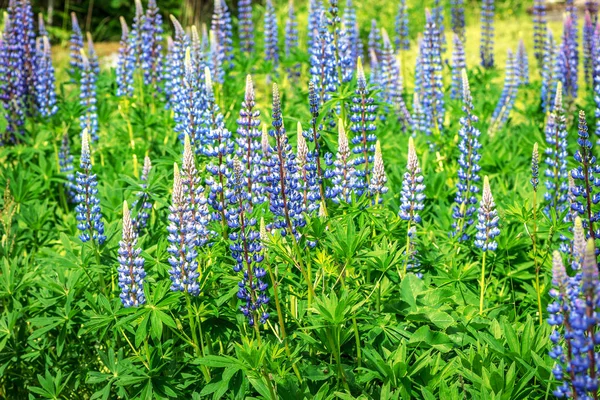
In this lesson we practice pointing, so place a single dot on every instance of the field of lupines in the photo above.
(295, 201)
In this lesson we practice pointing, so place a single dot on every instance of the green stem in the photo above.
(482, 294)
(357, 339)
(535, 261)
(407, 249)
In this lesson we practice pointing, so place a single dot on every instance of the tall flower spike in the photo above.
(75, 47)
(352, 32)
(390, 80)
(271, 35)
(567, 61)
(507, 97)
(588, 49)
(88, 210)
(343, 173)
(92, 55)
(42, 26)
(223, 32)
(487, 227)
(402, 39)
(522, 64)
(152, 37)
(377, 185)
(535, 167)
(135, 35)
(142, 203)
(174, 70)
(12, 84)
(468, 171)
(486, 49)
(88, 121)
(65, 161)
(307, 168)
(458, 64)
(291, 41)
(548, 72)
(182, 241)
(458, 19)
(438, 16)
(194, 194)
(315, 9)
(131, 264)
(245, 26)
(125, 69)
(432, 96)
(540, 29)
(45, 91)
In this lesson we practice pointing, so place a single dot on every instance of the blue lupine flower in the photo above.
(187, 107)
(522, 65)
(174, 70)
(217, 60)
(587, 181)
(87, 98)
(248, 149)
(45, 92)
(152, 36)
(588, 48)
(418, 90)
(549, 78)
(307, 169)
(125, 69)
(540, 29)
(486, 49)
(65, 161)
(402, 40)
(596, 83)
(182, 241)
(468, 170)
(271, 35)
(291, 41)
(352, 32)
(458, 64)
(324, 66)
(88, 209)
(437, 13)
(535, 167)
(432, 97)
(341, 172)
(568, 60)
(315, 10)
(75, 47)
(487, 216)
(245, 26)
(390, 80)
(458, 19)
(313, 134)
(42, 31)
(131, 264)
(222, 33)
(507, 97)
(556, 157)
(246, 248)
(91, 55)
(377, 185)
(140, 221)
(283, 183)
(362, 125)
(194, 194)
(375, 40)
(135, 35)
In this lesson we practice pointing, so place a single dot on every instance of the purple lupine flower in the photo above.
(246, 248)
(402, 39)
(87, 98)
(187, 107)
(342, 172)
(88, 210)
(390, 79)
(596, 83)
(182, 241)
(362, 125)
(140, 221)
(175, 69)
(549, 78)
(65, 161)
(248, 149)
(245, 26)
(291, 41)
(540, 29)
(352, 33)
(458, 19)
(283, 183)
(135, 35)
(458, 64)
(75, 47)
(131, 264)
(588, 48)
(125, 69)
(556, 157)
(323, 62)
(587, 181)
(223, 33)
(411, 202)
(152, 37)
(507, 97)
(437, 13)
(307, 169)
(313, 135)
(45, 92)
(432, 97)
(194, 195)
(468, 170)
(11, 81)
(522, 65)
(315, 10)
(486, 49)
(568, 60)
(271, 35)
(487, 216)
(377, 184)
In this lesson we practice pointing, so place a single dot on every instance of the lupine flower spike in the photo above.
(540, 29)
(125, 69)
(487, 34)
(402, 39)
(522, 65)
(432, 97)
(152, 37)
(567, 61)
(343, 174)
(307, 168)
(222, 33)
(88, 121)
(487, 231)
(507, 97)
(245, 26)
(131, 264)
(45, 93)
(588, 48)
(75, 47)
(91, 54)
(377, 185)
(458, 64)
(65, 160)
(458, 19)
(291, 41)
(271, 35)
(549, 75)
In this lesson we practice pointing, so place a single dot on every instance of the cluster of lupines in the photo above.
(468, 170)
(574, 317)
(245, 26)
(87, 98)
(143, 199)
(556, 157)
(88, 210)
(540, 29)
(222, 32)
(458, 19)
(508, 95)
(402, 39)
(522, 63)
(131, 264)
(567, 59)
(271, 35)
(458, 64)
(486, 49)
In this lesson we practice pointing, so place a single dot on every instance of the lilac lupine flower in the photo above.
(307, 169)
(432, 97)
(507, 97)
(283, 183)
(568, 60)
(556, 157)
(352, 32)
(12, 82)
(65, 161)
(125, 69)
(271, 35)
(152, 36)
(75, 47)
(342, 171)
(88, 210)
(486, 49)
(458, 19)
(588, 48)
(540, 29)
(246, 248)
(487, 216)
(291, 41)
(522, 65)
(411, 202)
(245, 26)
(140, 221)
(587, 181)
(402, 40)
(194, 195)
(45, 92)
(248, 149)
(315, 10)
(549, 77)
(377, 185)
(362, 125)
(458, 64)
(438, 16)
(223, 33)
(131, 264)
(135, 35)
(182, 241)
(175, 69)
(87, 98)
(468, 171)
